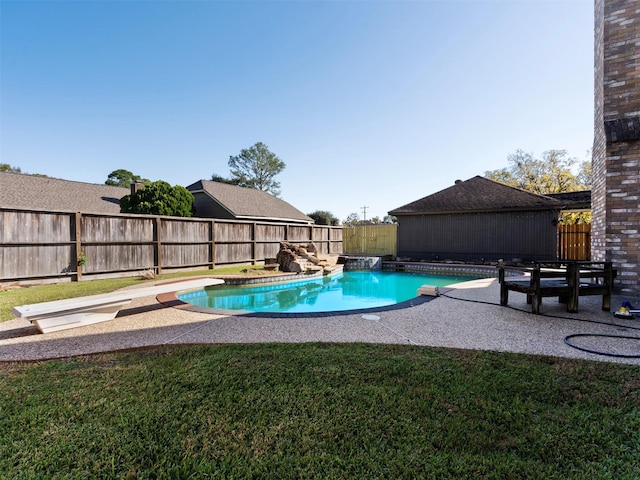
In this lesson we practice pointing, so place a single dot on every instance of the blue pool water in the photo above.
(350, 290)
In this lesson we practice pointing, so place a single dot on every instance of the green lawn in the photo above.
(319, 411)
(59, 291)
(312, 411)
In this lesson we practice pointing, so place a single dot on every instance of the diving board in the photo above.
(80, 311)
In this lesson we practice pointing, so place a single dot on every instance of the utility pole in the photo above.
(364, 213)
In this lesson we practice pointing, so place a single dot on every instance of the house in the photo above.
(212, 199)
(480, 220)
(224, 201)
(34, 192)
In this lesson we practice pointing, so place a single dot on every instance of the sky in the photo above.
(370, 104)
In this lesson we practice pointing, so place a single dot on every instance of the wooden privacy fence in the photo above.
(371, 239)
(41, 245)
(574, 242)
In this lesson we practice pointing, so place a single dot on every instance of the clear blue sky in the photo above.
(369, 103)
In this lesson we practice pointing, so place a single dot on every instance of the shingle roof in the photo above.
(245, 202)
(578, 200)
(45, 193)
(478, 194)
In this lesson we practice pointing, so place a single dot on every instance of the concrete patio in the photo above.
(467, 317)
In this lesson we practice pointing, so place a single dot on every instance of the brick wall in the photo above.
(616, 148)
(598, 187)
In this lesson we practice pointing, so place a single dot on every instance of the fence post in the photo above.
(212, 244)
(157, 243)
(254, 244)
(78, 240)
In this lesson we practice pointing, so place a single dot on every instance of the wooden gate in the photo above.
(370, 239)
(574, 242)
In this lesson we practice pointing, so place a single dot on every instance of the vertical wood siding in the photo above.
(299, 234)
(37, 261)
(118, 257)
(574, 242)
(31, 227)
(478, 236)
(42, 245)
(233, 232)
(371, 239)
(102, 229)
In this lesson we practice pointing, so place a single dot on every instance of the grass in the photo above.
(312, 411)
(59, 291)
(319, 411)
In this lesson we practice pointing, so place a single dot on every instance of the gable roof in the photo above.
(251, 203)
(28, 192)
(478, 194)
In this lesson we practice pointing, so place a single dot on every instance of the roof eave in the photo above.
(487, 210)
(274, 219)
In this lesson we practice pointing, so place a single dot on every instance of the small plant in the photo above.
(82, 259)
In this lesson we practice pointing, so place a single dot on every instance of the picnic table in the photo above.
(567, 280)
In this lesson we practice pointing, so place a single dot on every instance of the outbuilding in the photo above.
(480, 220)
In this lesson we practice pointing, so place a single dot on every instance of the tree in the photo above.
(322, 217)
(389, 219)
(124, 178)
(220, 179)
(159, 198)
(256, 167)
(352, 219)
(549, 174)
(5, 167)
(584, 174)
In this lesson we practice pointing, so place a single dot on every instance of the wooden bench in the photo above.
(80, 311)
(566, 280)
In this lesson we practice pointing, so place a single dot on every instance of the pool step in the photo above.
(429, 290)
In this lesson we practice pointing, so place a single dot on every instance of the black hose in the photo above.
(600, 352)
(568, 337)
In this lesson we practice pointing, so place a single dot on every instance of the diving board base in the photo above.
(79, 318)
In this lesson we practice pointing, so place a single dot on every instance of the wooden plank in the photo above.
(78, 244)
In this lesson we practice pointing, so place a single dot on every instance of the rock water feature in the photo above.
(303, 258)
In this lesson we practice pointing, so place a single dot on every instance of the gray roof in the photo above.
(245, 203)
(574, 200)
(478, 194)
(35, 192)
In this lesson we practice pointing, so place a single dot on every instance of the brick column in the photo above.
(616, 147)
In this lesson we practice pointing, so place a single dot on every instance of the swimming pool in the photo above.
(349, 290)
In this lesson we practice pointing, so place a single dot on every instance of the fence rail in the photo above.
(41, 245)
